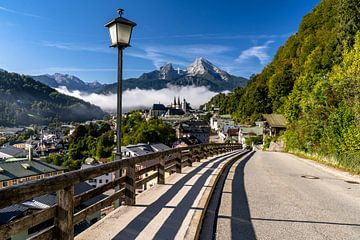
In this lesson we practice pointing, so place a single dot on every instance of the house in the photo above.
(274, 123)
(217, 122)
(186, 141)
(140, 150)
(198, 129)
(20, 171)
(33, 205)
(99, 180)
(232, 134)
(7, 151)
(247, 132)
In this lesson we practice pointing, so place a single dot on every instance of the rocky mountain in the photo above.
(24, 101)
(200, 73)
(71, 82)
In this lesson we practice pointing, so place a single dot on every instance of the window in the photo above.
(14, 182)
(107, 181)
(5, 184)
(100, 180)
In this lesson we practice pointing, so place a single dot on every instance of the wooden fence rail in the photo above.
(139, 171)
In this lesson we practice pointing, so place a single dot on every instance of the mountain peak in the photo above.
(167, 71)
(201, 66)
(167, 67)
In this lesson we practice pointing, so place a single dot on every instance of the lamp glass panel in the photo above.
(113, 35)
(124, 32)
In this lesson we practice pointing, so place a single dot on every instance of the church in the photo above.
(177, 108)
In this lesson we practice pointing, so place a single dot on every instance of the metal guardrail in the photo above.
(63, 185)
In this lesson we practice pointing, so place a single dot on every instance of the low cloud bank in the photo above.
(138, 98)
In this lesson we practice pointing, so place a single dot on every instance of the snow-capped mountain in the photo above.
(202, 66)
(69, 81)
(199, 73)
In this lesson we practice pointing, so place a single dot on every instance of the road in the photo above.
(280, 196)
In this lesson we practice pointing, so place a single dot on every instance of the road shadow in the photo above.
(307, 221)
(241, 225)
(173, 223)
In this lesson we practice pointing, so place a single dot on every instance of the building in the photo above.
(197, 129)
(99, 180)
(157, 110)
(140, 150)
(36, 204)
(177, 108)
(20, 171)
(247, 132)
(217, 122)
(274, 123)
(7, 151)
(185, 142)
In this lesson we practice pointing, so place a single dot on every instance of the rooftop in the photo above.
(16, 169)
(275, 120)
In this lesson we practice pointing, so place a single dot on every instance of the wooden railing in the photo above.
(63, 185)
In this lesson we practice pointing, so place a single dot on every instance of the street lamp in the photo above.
(120, 30)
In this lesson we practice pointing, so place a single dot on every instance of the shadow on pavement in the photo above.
(306, 221)
(241, 226)
(173, 223)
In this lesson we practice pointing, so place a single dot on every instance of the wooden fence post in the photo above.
(161, 171)
(178, 162)
(64, 227)
(130, 188)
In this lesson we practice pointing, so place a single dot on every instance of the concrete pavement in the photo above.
(280, 196)
(163, 211)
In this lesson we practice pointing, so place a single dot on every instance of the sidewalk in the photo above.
(162, 212)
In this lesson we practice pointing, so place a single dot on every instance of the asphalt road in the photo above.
(280, 196)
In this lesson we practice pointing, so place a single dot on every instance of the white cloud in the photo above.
(259, 52)
(202, 36)
(178, 54)
(4, 9)
(137, 98)
(79, 47)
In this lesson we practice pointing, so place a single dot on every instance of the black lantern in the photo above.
(120, 30)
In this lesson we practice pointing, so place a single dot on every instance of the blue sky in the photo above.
(240, 36)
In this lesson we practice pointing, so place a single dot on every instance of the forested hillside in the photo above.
(314, 80)
(24, 101)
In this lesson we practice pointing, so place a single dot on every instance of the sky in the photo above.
(67, 36)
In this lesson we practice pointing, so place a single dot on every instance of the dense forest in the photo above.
(24, 101)
(314, 80)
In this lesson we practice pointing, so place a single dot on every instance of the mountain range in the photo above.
(24, 101)
(200, 73)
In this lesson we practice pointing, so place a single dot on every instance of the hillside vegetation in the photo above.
(314, 80)
(24, 101)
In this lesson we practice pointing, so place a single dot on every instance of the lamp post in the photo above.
(120, 30)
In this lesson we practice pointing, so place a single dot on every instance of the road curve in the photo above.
(280, 196)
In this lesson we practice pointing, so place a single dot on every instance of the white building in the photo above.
(100, 180)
